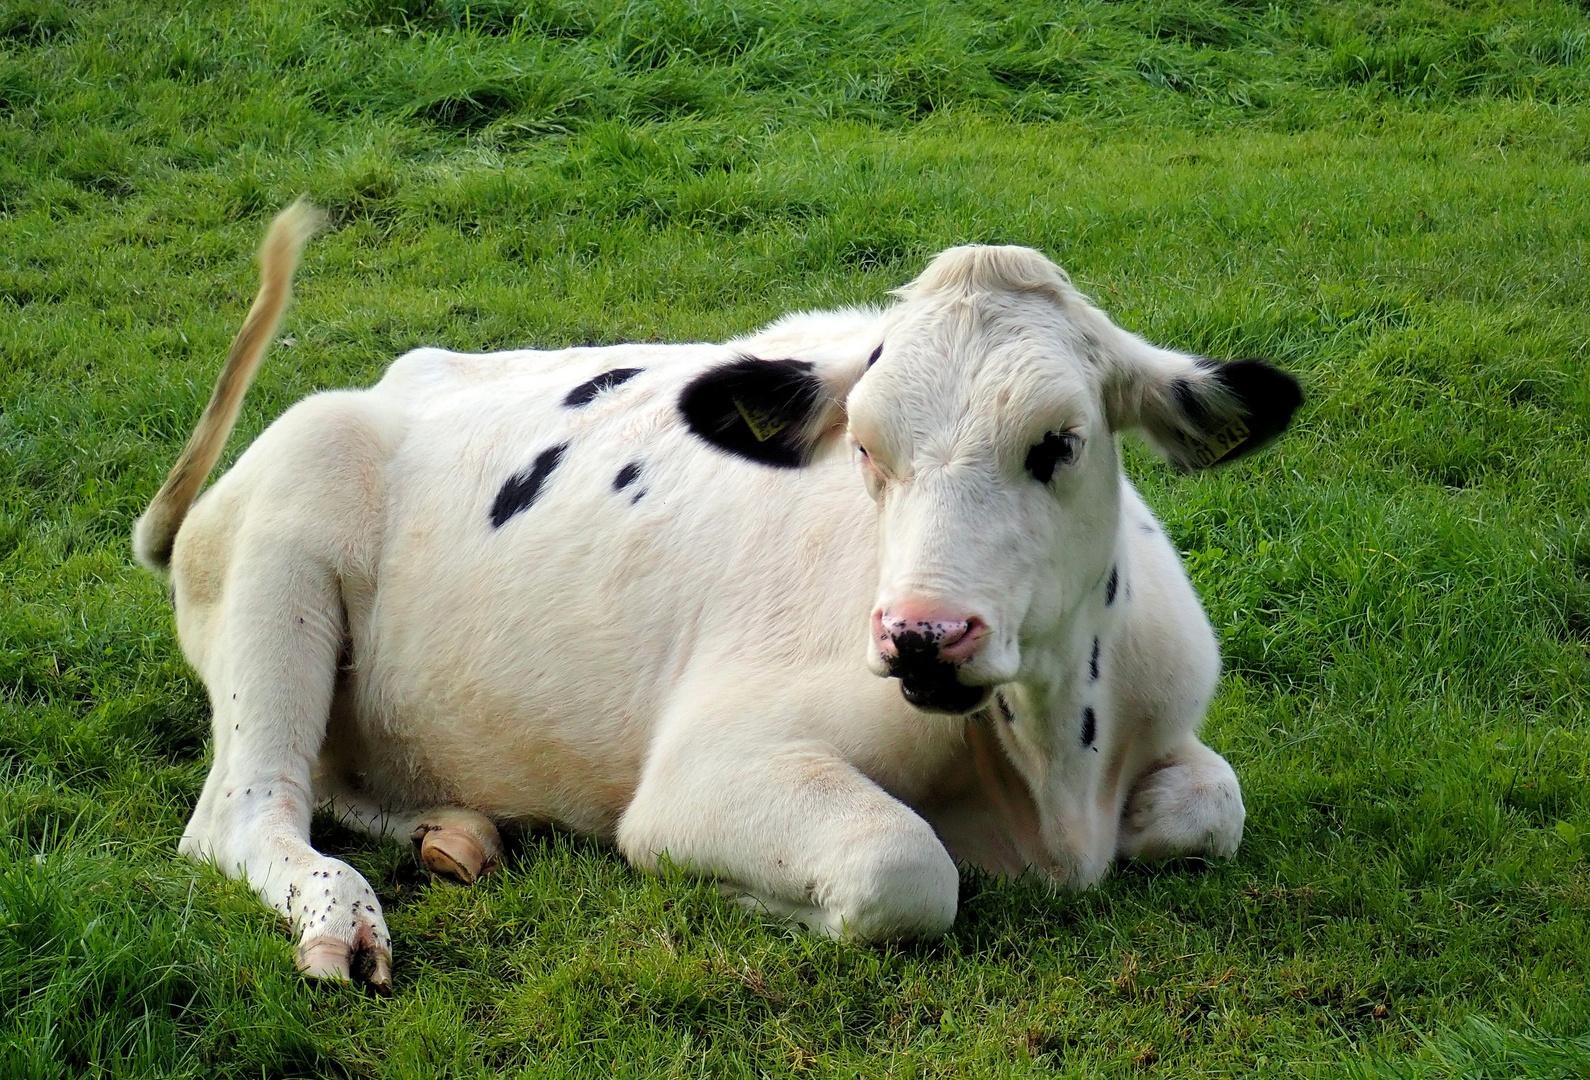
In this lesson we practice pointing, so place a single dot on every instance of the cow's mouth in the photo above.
(930, 682)
(945, 696)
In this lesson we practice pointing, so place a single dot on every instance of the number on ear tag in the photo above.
(1218, 444)
(763, 424)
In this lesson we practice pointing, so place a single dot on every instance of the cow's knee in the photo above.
(907, 886)
(797, 832)
(1189, 803)
(898, 896)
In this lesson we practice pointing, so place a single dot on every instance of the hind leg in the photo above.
(1188, 802)
(269, 663)
(450, 841)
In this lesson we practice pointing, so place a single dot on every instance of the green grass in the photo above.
(1392, 200)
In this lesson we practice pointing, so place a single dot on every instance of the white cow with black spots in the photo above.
(636, 591)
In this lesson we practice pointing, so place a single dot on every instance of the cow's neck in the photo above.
(1057, 723)
(1063, 671)
(1064, 683)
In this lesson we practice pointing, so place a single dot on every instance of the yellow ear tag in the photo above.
(1219, 443)
(763, 424)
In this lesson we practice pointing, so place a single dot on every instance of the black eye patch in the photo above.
(1057, 448)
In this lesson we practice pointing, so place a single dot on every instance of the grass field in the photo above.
(1390, 199)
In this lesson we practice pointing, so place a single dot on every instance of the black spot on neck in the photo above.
(1093, 661)
(873, 359)
(1004, 709)
(1090, 725)
(626, 476)
(1111, 585)
(586, 392)
(758, 410)
(522, 489)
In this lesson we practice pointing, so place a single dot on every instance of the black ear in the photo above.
(768, 411)
(1238, 408)
(1198, 413)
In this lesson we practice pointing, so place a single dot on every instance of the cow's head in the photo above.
(984, 426)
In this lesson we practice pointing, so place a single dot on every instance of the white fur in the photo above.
(685, 675)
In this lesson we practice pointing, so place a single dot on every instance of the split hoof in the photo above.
(458, 845)
(362, 961)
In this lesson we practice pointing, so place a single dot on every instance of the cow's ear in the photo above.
(773, 412)
(1196, 412)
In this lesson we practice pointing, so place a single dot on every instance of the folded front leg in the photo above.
(791, 828)
(1187, 802)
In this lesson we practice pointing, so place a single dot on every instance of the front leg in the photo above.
(789, 827)
(1187, 802)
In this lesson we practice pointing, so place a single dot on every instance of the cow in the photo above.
(645, 593)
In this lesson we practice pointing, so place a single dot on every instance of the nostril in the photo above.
(948, 633)
(883, 633)
(967, 639)
(926, 633)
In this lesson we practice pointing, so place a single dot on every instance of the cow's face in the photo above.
(982, 434)
(985, 430)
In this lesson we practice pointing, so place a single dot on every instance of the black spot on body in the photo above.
(1093, 661)
(586, 392)
(1090, 725)
(522, 489)
(1147, 528)
(1111, 585)
(635, 498)
(626, 476)
(755, 409)
(873, 359)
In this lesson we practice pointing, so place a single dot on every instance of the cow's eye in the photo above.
(1057, 448)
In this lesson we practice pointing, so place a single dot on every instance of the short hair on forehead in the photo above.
(981, 268)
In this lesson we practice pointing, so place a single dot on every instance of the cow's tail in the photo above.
(284, 243)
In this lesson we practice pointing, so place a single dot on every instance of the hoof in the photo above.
(362, 961)
(458, 845)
